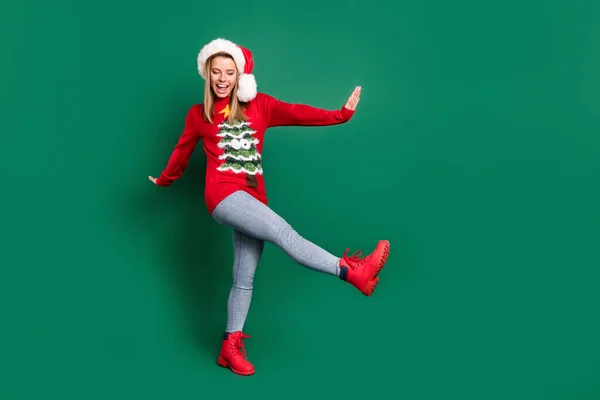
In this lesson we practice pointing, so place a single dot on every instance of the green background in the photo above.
(474, 150)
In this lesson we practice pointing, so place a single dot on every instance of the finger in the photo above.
(355, 101)
(351, 104)
(355, 93)
(352, 97)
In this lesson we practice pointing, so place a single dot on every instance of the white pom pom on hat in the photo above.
(242, 57)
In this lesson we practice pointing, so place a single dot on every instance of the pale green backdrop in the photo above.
(474, 150)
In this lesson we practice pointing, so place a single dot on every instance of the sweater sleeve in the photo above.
(279, 113)
(178, 161)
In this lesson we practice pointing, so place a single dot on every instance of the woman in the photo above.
(232, 122)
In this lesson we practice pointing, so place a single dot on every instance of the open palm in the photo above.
(353, 99)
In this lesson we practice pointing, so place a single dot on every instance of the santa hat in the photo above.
(243, 60)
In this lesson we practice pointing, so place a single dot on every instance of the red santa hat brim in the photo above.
(247, 87)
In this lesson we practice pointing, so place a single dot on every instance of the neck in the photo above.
(221, 102)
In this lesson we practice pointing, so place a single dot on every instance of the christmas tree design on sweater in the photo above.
(240, 154)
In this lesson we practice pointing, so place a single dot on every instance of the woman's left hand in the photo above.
(353, 99)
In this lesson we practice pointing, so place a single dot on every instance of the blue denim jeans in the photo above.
(253, 224)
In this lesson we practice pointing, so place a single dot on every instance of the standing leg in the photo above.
(247, 251)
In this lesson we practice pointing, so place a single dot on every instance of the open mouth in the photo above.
(222, 89)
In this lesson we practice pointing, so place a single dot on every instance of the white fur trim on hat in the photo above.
(218, 46)
(246, 87)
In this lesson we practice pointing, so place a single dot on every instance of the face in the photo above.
(223, 76)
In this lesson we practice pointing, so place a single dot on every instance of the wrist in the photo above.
(347, 113)
(160, 181)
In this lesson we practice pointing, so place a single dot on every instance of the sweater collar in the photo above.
(221, 103)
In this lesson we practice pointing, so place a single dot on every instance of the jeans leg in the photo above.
(244, 213)
(247, 253)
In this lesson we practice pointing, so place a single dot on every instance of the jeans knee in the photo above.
(244, 281)
(289, 234)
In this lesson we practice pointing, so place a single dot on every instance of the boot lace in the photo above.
(237, 344)
(355, 258)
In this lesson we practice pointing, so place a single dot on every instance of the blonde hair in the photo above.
(236, 107)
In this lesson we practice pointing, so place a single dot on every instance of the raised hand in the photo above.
(353, 99)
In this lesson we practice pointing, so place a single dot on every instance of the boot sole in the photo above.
(221, 361)
(372, 283)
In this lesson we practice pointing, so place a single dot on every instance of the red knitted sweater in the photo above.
(234, 151)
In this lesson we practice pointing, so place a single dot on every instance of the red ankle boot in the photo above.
(231, 356)
(362, 273)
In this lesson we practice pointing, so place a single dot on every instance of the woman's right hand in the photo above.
(152, 179)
